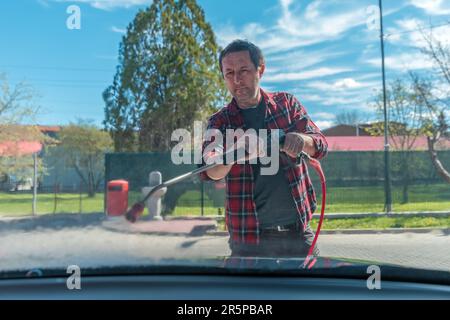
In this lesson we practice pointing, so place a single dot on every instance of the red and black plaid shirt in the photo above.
(284, 112)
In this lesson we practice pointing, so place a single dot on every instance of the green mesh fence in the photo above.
(355, 182)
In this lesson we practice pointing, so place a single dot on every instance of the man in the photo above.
(266, 215)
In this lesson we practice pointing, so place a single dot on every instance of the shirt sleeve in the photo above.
(215, 122)
(302, 123)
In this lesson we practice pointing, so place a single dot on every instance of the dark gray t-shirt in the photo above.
(272, 195)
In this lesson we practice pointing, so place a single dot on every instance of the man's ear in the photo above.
(261, 69)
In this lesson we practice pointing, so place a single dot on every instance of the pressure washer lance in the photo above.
(138, 208)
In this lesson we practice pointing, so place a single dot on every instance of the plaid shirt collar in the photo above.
(234, 109)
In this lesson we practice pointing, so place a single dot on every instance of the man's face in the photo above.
(242, 78)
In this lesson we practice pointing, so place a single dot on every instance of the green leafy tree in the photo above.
(167, 76)
(84, 146)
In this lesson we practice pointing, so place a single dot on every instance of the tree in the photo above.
(405, 122)
(16, 102)
(351, 118)
(167, 76)
(435, 126)
(84, 146)
(434, 95)
(17, 107)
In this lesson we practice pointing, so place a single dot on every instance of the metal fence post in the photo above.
(202, 197)
(387, 176)
(55, 204)
(81, 201)
(34, 183)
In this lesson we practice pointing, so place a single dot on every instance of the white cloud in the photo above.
(440, 34)
(43, 3)
(307, 74)
(396, 34)
(118, 30)
(343, 101)
(347, 83)
(441, 90)
(251, 31)
(312, 10)
(432, 7)
(339, 85)
(447, 113)
(300, 56)
(324, 115)
(355, 100)
(404, 62)
(313, 23)
(409, 32)
(408, 24)
(298, 60)
(311, 97)
(323, 124)
(392, 35)
(110, 4)
(318, 22)
(370, 50)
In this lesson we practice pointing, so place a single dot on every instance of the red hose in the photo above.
(310, 259)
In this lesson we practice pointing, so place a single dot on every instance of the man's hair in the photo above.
(243, 45)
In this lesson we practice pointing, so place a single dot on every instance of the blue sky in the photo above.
(326, 52)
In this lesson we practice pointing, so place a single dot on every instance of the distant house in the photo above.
(357, 138)
(51, 131)
(364, 143)
(21, 149)
(344, 130)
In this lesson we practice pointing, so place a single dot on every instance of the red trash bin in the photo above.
(117, 197)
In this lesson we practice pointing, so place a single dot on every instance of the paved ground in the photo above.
(111, 243)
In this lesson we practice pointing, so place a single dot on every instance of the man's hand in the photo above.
(293, 144)
(212, 157)
(254, 149)
(253, 145)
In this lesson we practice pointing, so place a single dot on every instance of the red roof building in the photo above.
(21, 148)
(367, 143)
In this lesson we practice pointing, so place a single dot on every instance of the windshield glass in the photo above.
(274, 134)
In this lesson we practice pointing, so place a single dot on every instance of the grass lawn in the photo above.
(348, 200)
(21, 204)
(189, 205)
(383, 223)
(375, 223)
(371, 199)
